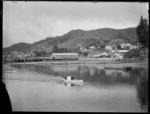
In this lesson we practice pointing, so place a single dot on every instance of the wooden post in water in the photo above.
(66, 69)
(11, 63)
(104, 63)
(45, 61)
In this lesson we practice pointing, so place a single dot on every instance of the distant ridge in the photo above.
(17, 47)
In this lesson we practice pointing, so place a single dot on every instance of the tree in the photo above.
(142, 31)
(119, 47)
(37, 53)
(132, 53)
(55, 49)
(85, 54)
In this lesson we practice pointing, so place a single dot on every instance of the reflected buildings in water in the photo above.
(142, 89)
(72, 85)
(137, 77)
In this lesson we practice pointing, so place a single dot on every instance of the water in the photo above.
(102, 90)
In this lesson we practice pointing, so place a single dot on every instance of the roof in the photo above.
(92, 47)
(108, 47)
(123, 50)
(96, 55)
(64, 53)
(69, 76)
(127, 44)
(120, 50)
(104, 53)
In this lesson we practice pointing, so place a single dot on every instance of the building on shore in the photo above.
(120, 51)
(65, 56)
(92, 48)
(108, 47)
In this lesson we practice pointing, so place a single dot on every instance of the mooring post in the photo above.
(66, 68)
(11, 63)
(104, 63)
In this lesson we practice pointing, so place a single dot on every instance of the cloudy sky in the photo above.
(33, 21)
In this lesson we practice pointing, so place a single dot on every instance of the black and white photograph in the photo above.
(75, 56)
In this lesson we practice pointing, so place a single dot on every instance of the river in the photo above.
(37, 87)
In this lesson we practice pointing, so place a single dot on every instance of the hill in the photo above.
(104, 36)
(17, 47)
(85, 38)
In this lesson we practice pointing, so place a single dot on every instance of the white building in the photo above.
(108, 47)
(96, 56)
(133, 47)
(125, 45)
(81, 49)
(79, 45)
(121, 51)
(91, 48)
(118, 56)
(85, 50)
(104, 54)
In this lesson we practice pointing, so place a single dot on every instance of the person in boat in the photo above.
(69, 78)
(72, 78)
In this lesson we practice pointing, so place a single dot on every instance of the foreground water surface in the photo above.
(102, 91)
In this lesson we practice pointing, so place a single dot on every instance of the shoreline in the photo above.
(116, 64)
(94, 61)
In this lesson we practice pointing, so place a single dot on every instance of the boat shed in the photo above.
(65, 56)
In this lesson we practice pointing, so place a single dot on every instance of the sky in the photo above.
(33, 21)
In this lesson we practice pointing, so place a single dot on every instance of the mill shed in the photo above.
(65, 56)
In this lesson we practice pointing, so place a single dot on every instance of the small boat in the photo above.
(71, 79)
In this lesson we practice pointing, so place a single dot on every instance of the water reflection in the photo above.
(72, 85)
(137, 78)
(69, 84)
(142, 89)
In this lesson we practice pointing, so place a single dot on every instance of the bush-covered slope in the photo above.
(75, 37)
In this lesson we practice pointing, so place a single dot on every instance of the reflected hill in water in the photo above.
(137, 77)
(90, 74)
